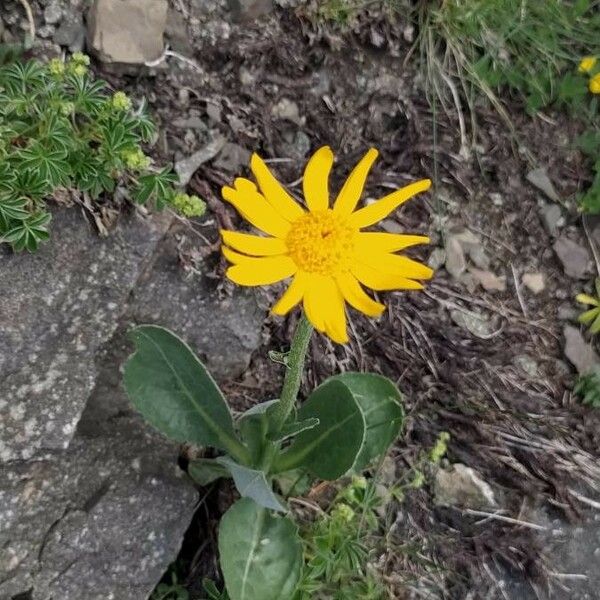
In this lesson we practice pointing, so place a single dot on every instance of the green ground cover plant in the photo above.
(61, 128)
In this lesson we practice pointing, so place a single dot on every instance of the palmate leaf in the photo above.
(12, 210)
(156, 186)
(50, 165)
(27, 183)
(144, 123)
(87, 95)
(28, 234)
(22, 78)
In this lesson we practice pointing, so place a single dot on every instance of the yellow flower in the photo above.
(595, 84)
(121, 101)
(587, 64)
(323, 248)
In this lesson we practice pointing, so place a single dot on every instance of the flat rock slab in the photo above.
(101, 520)
(128, 32)
(92, 503)
(60, 305)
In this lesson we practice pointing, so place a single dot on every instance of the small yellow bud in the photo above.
(67, 108)
(79, 58)
(359, 482)
(189, 206)
(587, 64)
(56, 67)
(121, 101)
(344, 512)
(595, 84)
(136, 159)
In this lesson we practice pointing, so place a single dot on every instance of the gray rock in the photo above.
(539, 178)
(462, 486)
(287, 110)
(53, 12)
(223, 330)
(71, 32)
(437, 258)
(64, 303)
(92, 504)
(489, 281)
(574, 258)
(527, 363)
(246, 10)
(456, 263)
(128, 32)
(294, 144)
(177, 34)
(46, 31)
(471, 245)
(88, 509)
(534, 282)
(578, 351)
(474, 322)
(100, 520)
(186, 168)
(232, 158)
(552, 218)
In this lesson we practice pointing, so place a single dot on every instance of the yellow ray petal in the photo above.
(258, 271)
(273, 191)
(380, 280)
(254, 208)
(316, 179)
(253, 244)
(395, 263)
(356, 297)
(324, 307)
(374, 241)
(351, 191)
(292, 295)
(311, 302)
(382, 208)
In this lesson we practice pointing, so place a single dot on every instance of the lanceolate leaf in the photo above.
(252, 484)
(173, 390)
(260, 554)
(206, 470)
(381, 404)
(329, 449)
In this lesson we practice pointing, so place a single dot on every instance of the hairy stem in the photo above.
(293, 376)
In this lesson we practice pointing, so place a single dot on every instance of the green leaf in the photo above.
(252, 484)
(173, 390)
(330, 449)
(381, 405)
(260, 554)
(206, 470)
(254, 426)
(293, 428)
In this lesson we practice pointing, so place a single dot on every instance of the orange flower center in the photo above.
(321, 242)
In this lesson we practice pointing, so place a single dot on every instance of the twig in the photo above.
(518, 290)
(481, 513)
(27, 7)
(167, 53)
(591, 243)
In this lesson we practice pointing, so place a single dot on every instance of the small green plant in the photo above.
(588, 388)
(591, 317)
(337, 548)
(520, 45)
(60, 128)
(170, 591)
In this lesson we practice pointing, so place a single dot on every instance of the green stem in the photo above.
(293, 376)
